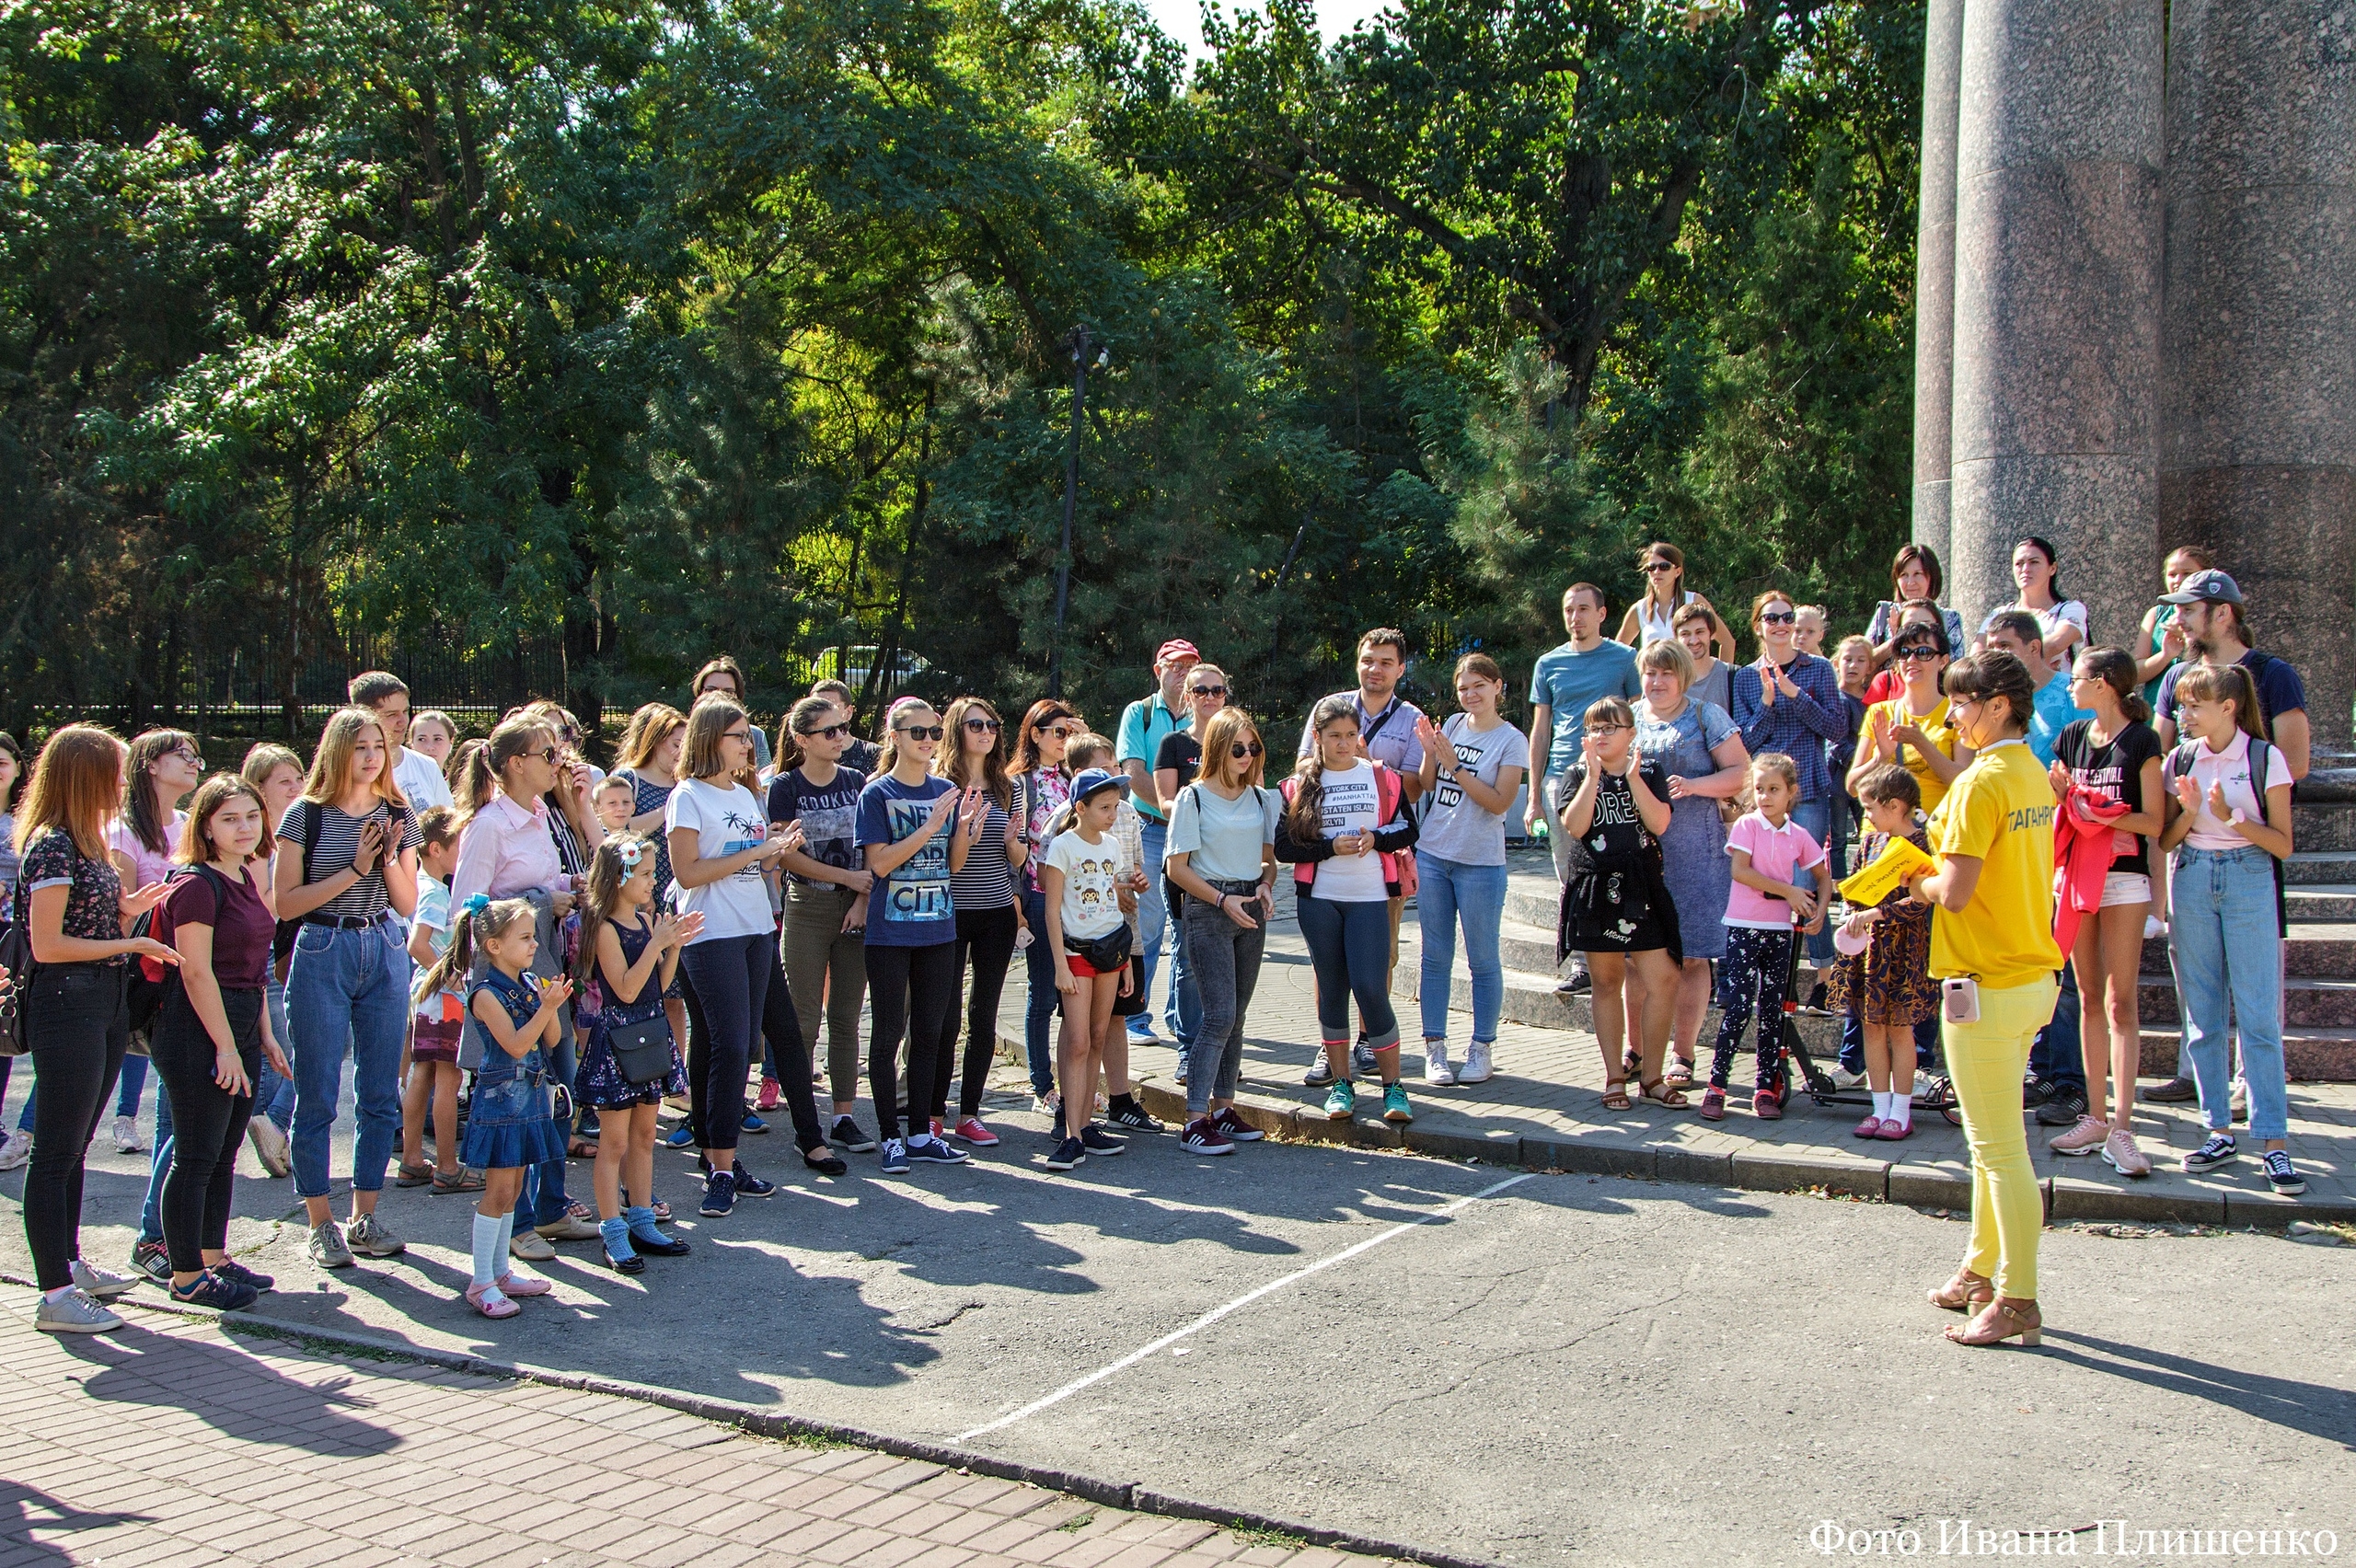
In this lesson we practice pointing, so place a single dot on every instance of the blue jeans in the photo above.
(347, 987)
(1153, 922)
(1349, 949)
(1039, 1005)
(1448, 892)
(1816, 818)
(274, 1096)
(160, 1166)
(2225, 947)
(2057, 1055)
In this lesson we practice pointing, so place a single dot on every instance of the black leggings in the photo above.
(789, 1055)
(908, 988)
(1757, 964)
(727, 981)
(989, 936)
(208, 1121)
(78, 1024)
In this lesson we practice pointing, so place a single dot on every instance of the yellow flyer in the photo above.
(1896, 864)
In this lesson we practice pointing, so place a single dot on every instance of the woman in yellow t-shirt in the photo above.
(1914, 728)
(1993, 924)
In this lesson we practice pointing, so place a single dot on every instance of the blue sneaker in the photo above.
(718, 1195)
(209, 1289)
(1141, 1031)
(2216, 1150)
(937, 1151)
(680, 1136)
(753, 1123)
(751, 1186)
(895, 1156)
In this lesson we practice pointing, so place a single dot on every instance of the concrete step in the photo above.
(2323, 826)
(1531, 999)
(2309, 866)
(2309, 1056)
(2321, 903)
(2320, 949)
(2308, 1002)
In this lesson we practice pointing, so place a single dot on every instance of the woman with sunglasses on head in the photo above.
(1652, 617)
(719, 846)
(1789, 702)
(1040, 770)
(826, 892)
(1222, 862)
(982, 892)
(1914, 577)
(915, 830)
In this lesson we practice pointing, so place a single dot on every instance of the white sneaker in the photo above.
(1436, 1072)
(15, 1149)
(126, 1135)
(270, 1146)
(1843, 1078)
(74, 1313)
(2153, 928)
(1476, 1067)
(101, 1285)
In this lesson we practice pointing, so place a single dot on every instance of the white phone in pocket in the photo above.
(1961, 1000)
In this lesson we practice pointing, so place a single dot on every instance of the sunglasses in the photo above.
(1243, 749)
(922, 731)
(549, 753)
(187, 757)
(832, 732)
(982, 726)
(1655, 568)
(1778, 618)
(1206, 691)
(1908, 655)
(1060, 732)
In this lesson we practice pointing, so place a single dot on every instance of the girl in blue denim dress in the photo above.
(512, 1124)
(630, 954)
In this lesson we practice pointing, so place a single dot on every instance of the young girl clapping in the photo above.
(511, 1125)
(630, 957)
(1887, 985)
(1770, 854)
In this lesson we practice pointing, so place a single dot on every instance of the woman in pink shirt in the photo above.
(162, 768)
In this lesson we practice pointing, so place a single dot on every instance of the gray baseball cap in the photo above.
(2205, 587)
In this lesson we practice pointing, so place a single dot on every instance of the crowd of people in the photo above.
(523, 958)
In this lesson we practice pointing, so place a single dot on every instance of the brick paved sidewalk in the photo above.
(174, 1444)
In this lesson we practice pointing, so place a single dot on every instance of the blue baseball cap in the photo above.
(1094, 778)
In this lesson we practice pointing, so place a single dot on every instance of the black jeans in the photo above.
(788, 1055)
(908, 988)
(987, 935)
(208, 1121)
(727, 981)
(78, 1023)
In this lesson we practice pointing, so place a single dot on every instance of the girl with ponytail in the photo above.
(2111, 760)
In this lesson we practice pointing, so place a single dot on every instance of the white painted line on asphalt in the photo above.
(1215, 1314)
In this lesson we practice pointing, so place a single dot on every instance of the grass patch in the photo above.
(327, 1349)
(1264, 1535)
(1079, 1521)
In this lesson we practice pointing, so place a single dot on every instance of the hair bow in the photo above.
(629, 851)
(476, 903)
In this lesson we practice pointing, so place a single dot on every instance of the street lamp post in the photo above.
(1080, 342)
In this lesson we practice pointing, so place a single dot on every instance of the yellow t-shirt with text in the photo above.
(2000, 811)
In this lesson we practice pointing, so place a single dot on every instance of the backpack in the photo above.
(151, 978)
(281, 941)
(1398, 865)
(17, 955)
(2180, 762)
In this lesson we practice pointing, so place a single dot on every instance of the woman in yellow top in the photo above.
(1993, 926)
(1914, 728)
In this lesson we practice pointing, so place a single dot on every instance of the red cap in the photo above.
(1177, 648)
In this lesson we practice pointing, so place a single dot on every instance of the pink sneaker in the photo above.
(488, 1300)
(1869, 1127)
(768, 1102)
(2084, 1136)
(1893, 1130)
(971, 1131)
(518, 1284)
(2119, 1149)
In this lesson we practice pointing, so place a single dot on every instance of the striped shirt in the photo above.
(335, 844)
(988, 879)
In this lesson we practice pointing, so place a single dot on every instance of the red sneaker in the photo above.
(1713, 1104)
(768, 1101)
(1767, 1105)
(971, 1131)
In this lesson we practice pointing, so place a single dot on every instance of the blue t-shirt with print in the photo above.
(911, 907)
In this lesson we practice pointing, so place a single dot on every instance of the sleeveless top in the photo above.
(521, 1000)
(648, 1000)
(1658, 628)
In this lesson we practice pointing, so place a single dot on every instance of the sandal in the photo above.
(2001, 1320)
(408, 1175)
(583, 1148)
(1967, 1292)
(1615, 1095)
(458, 1181)
(1662, 1093)
(1631, 1064)
(1681, 1073)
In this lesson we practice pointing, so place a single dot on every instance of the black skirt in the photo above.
(1619, 904)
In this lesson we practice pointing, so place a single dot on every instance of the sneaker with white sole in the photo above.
(1437, 1073)
(327, 1246)
(2282, 1176)
(126, 1135)
(937, 1151)
(270, 1146)
(149, 1256)
(74, 1313)
(104, 1285)
(1236, 1127)
(1067, 1154)
(1202, 1137)
(2118, 1152)
(15, 1149)
(1844, 1080)
(1476, 1067)
(973, 1132)
(1362, 1062)
(847, 1136)
(2086, 1135)
(2217, 1150)
(895, 1156)
(371, 1238)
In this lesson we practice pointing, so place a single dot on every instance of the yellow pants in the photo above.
(1986, 1061)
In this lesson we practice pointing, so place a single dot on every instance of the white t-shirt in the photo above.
(1092, 905)
(726, 820)
(1350, 805)
(421, 782)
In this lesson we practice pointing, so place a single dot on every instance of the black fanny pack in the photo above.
(643, 1051)
(1105, 954)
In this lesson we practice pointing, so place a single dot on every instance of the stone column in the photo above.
(2258, 453)
(1934, 277)
(2056, 301)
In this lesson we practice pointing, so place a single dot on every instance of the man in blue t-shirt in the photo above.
(1562, 684)
(1145, 724)
(2017, 633)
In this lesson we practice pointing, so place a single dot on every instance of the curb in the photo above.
(1135, 1496)
(1608, 1152)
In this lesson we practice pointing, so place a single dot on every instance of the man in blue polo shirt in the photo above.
(1563, 682)
(1145, 724)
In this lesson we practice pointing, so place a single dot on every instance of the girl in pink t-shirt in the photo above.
(1771, 853)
